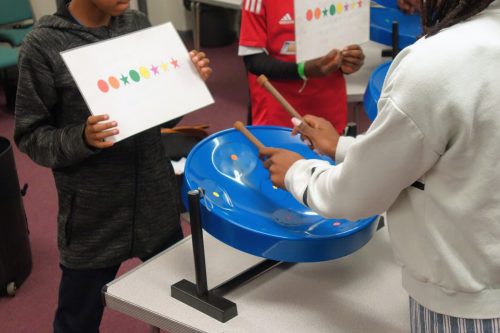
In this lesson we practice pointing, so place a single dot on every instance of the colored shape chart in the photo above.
(123, 77)
(135, 75)
(331, 10)
(324, 25)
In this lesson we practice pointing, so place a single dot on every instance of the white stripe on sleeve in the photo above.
(252, 7)
(259, 6)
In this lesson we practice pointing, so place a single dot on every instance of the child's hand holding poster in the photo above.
(140, 80)
(323, 25)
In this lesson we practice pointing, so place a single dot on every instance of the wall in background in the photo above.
(43, 7)
(160, 11)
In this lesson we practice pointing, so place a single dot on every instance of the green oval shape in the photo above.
(134, 76)
(332, 10)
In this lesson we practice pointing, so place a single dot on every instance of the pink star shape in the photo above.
(360, 3)
(346, 6)
(154, 69)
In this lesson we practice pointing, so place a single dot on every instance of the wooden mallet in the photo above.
(264, 82)
(240, 127)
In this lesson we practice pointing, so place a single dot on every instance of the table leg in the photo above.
(143, 6)
(196, 28)
(357, 107)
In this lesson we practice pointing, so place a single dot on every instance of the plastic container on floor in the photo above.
(15, 250)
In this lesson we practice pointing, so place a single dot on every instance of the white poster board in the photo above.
(323, 25)
(140, 80)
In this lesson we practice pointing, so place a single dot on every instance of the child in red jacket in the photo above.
(267, 44)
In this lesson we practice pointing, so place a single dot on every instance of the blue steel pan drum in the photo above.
(385, 3)
(374, 89)
(381, 18)
(243, 209)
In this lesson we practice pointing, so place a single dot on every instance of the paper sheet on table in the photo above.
(323, 25)
(141, 79)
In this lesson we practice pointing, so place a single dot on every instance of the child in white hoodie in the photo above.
(431, 160)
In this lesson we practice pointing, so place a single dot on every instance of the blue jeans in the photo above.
(80, 305)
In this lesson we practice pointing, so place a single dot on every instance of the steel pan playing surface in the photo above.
(242, 208)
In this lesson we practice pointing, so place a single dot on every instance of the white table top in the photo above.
(358, 293)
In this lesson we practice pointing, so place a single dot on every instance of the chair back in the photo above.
(8, 57)
(12, 11)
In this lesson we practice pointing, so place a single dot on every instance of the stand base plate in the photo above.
(211, 304)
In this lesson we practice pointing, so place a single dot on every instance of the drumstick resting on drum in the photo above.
(240, 127)
(264, 82)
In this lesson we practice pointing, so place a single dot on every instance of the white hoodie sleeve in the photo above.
(343, 146)
(374, 168)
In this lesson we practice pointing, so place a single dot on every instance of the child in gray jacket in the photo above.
(116, 201)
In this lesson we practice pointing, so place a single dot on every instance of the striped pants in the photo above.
(423, 320)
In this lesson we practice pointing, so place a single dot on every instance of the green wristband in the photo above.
(301, 70)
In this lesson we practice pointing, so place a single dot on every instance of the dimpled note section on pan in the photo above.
(215, 195)
(235, 159)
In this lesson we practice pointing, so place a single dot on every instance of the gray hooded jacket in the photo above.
(114, 203)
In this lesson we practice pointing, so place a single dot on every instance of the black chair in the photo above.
(8, 74)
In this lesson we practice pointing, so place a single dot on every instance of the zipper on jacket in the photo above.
(136, 188)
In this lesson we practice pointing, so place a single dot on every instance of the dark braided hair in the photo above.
(440, 14)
